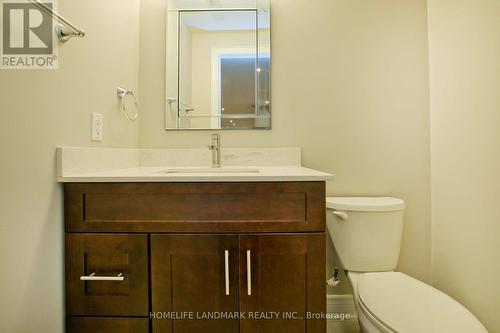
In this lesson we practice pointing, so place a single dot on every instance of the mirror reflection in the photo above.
(218, 67)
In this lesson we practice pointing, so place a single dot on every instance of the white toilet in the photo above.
(366, 235)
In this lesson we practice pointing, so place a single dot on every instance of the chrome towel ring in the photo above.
(123, 93)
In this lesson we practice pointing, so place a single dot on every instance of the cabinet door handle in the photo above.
(93, 277)
(249, 273)
(226, 270)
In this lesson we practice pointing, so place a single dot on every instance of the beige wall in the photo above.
(465, 118)
(353, 94)
(350, 86)
(42, 109)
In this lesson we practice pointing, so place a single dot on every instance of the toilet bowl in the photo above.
(366, 235)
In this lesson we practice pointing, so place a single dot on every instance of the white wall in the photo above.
(42, 109)
(350, 86)
(465, 119)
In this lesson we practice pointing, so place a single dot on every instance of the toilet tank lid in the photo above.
(365, 204)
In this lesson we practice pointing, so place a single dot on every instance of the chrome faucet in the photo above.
(216, 153)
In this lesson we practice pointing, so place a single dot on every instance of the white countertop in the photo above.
(159, 174)
(106, 165)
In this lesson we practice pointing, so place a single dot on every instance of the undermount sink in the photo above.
(211, 170)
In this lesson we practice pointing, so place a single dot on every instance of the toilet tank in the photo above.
(365, 231)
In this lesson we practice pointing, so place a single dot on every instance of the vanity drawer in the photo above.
(106, 325)
(107, 275)
(195, 207)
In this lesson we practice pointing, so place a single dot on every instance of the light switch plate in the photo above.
(97, 126)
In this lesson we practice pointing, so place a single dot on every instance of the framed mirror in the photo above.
(218, 64)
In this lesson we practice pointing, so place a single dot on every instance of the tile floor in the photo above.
(343, 327)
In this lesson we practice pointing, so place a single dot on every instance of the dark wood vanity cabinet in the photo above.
(188, 275)
(107, 255)
(287, 277)
(195, 257)
(107, 325)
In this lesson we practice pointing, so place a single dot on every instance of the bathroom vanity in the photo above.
(149, 249)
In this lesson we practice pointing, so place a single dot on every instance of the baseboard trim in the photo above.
(341, 305)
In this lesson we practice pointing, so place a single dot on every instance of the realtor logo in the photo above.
(27, 36)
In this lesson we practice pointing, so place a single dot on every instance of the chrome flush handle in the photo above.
(341, 215)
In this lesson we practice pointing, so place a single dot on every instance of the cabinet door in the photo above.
(194, 276)
(107, 275)
(281, 280)
(106, 325)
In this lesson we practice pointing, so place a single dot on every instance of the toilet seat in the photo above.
(397, 303)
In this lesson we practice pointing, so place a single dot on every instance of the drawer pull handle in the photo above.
(93, 277)
(249, 273)
(226, 270)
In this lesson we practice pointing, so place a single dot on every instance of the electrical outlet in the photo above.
(97, 126)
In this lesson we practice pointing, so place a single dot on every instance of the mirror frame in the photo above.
(262, 9)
